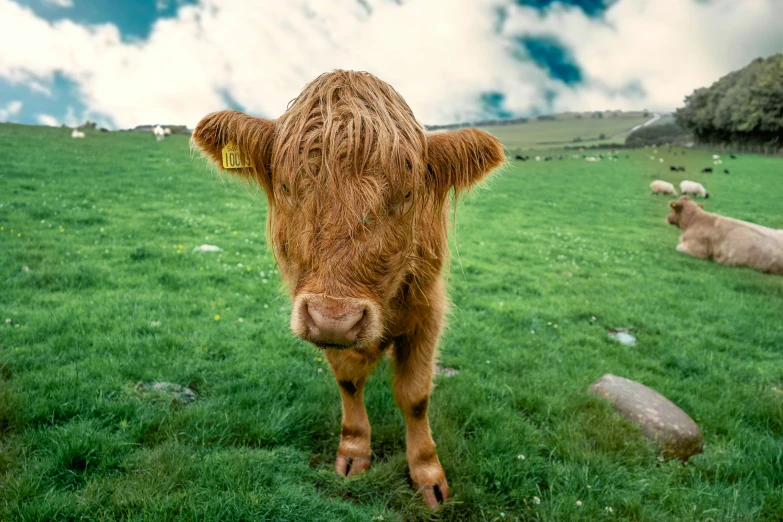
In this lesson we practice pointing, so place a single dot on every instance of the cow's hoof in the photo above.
(436, 495)
(350, 466)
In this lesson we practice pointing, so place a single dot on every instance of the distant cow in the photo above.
(691, 187)
(520, 157)
(707, 170)
(725, 171)
(727, 241)
(167, 131)
(662, 187)
(158, 132)
(681, 169)
(76, 133)
(674, 169)
(732, 156)
(358, 197)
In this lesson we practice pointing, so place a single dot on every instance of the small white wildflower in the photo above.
(240, 320)
(608, 509)
(320, 370)
(266, 306)
(578, 503)
(487, 362)
(16, 325)
(589, 486)
(155, 324)
(264, 281)
(521, 457)
(101, 229)
(240, 265)
(536, 500)
(106, 251)
(592, 318)
(7, 319)
(555, 326)
(533, 332)
(549, 323)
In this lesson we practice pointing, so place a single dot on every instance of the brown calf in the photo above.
(358, 213)
(728, 241)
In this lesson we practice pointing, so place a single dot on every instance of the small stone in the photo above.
(667, 426)
(178, 393)
(623, 335)
(446, 372)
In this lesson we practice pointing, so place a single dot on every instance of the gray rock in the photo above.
(174, 392)
(623, 335)
(446, 372)
(667, 426)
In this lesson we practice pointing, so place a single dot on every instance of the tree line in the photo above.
(745, 107)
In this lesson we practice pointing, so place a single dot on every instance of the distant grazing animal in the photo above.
(732, 156)
(727, 241)
(104, 129)
(358, 196)
(538, 158)
(520, 157)
(673, 168)
(167, 131)
(158, 132)
(691, 187)
(76, 133)
(662, 187)
(725, 171)
(715, 157)
(548, 158)
(591, 159)
(707, 170)
(681, 169)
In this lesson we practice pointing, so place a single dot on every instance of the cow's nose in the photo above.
(334, 325)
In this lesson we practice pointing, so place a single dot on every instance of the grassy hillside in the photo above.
(564, 130)
(97, 271)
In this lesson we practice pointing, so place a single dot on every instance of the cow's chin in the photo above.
(336, 323)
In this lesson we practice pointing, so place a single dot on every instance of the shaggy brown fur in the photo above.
(359, 195)
(727, 241)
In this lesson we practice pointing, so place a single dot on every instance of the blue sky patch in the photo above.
(63, 101)
(493, 105)
(133, 18)
(590, 7)
(549, 54)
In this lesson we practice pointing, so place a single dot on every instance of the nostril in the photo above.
(334, 323)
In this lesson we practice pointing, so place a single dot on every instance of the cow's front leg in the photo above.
(413, 372)
(351, 369)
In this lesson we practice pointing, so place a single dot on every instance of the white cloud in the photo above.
(439, 54)
(60, 3)
(47, 119)
(11, 109)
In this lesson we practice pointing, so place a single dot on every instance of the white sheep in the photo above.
(158, 132)
(715, 157)
(691, 187)
(662, 187)
(77, 134)
(167, 131)
(591, 159)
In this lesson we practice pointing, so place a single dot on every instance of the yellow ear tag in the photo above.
(233, 158)
(673, 204)
(701, 207)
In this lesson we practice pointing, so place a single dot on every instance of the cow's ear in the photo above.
(460, 159)
(253, 139)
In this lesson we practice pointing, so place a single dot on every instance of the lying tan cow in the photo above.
(358, 212)
(727, 241)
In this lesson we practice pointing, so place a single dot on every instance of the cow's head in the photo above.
(684, 206)
(356, 192)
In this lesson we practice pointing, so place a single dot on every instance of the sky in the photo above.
(124, 63)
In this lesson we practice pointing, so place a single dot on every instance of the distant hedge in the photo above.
(657, 134)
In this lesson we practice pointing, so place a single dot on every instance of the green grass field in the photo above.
(564, 129)
(547, 257)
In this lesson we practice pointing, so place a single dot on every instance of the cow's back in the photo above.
(739, 243)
